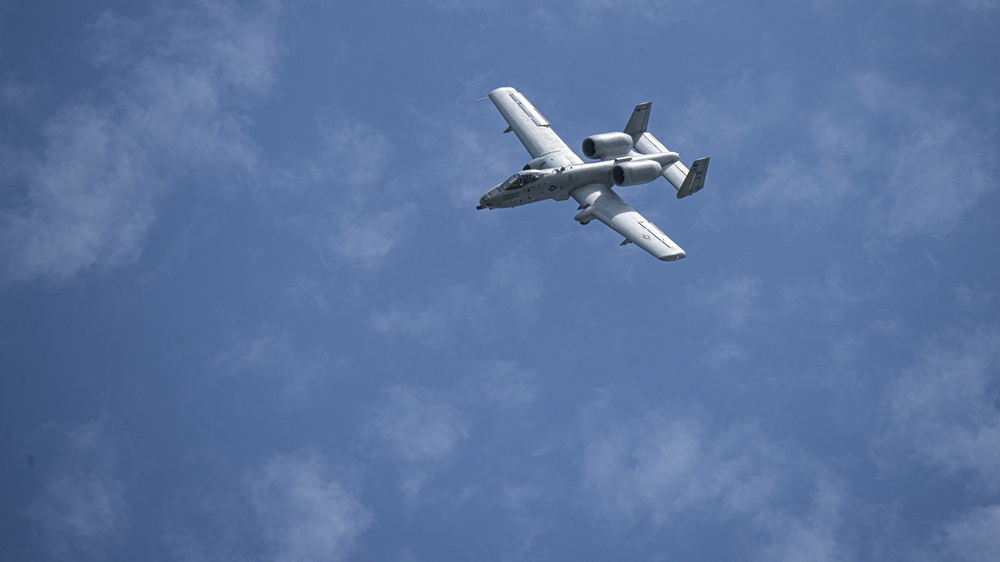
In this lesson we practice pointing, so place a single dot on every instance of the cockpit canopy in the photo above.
(521, 179)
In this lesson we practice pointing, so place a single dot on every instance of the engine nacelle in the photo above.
(607, 146)
(635, 172)
(535, 164)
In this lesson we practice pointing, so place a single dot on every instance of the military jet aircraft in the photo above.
(628, 158)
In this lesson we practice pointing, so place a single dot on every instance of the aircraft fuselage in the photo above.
(530, 186)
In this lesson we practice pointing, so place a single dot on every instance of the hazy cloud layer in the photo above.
(247, 231)
(169, 111)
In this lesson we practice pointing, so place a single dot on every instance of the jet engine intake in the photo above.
(607, 146)
(635, 172)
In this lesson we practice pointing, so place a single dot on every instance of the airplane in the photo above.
(632, 157)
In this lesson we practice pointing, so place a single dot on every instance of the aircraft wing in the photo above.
(601, 202)
(534, 132)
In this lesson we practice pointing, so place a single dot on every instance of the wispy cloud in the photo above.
(168, 112)
(83, 511)
(271, 354)
(305, 512)
(923, 130)
(340, 198)
(418, 429)
(513, 284)
(671, 466)
(973, 535)
(734, 301)
(875, 155)
(974, 5)
(815, 534)
(504, 384)
(943, 410)
(653, 470)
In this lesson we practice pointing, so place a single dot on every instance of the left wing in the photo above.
(601, 202)
(534, 132)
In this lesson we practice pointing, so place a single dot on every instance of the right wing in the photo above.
(601, 202)
(532, 129)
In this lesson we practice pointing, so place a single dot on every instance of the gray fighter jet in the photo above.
(631, 157)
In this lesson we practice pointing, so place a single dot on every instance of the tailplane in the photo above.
(685, 181)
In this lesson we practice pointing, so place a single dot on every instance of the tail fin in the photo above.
(685, 181)
(638, 121)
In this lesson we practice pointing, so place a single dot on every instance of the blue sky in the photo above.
(248, 310)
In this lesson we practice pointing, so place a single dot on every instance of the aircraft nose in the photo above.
(485, 200)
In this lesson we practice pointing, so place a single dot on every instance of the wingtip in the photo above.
(674, 257)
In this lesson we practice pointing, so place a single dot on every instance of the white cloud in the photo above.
(788, 183)
(167, 113)
(658, 471)
(810, 536)
(271, 354)
(368, 239)
(418, 430)
(513, 284)
(939, 162)
(15, 93)
(504, 384)
(733, 300)
(974, 536)
(974, 5)
(304, 512)
(943, 409)
(338, 187)
(825, 298)
(916, 159)
(83, 511)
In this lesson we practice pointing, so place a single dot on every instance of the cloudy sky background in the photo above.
(248, 310)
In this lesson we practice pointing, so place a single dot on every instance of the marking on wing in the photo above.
(656, 232)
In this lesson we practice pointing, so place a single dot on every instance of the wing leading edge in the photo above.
(532, 129)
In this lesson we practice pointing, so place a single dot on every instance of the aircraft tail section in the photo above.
(639, 119)
(694, 180)
(684, 180)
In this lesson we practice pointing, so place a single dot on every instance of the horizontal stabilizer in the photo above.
(695, 179)
(684, 181)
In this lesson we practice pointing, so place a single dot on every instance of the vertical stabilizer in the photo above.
(638, 121)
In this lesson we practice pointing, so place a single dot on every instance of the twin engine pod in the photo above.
(612, 146)
(607, 146)
(635, 172)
